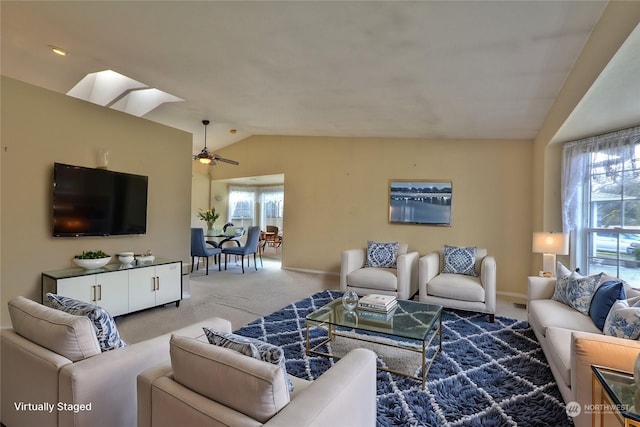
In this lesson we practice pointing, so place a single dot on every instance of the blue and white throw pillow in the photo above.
(623, 320)
(382, 255)
(577, 291)
(103, 323)
(459, 260)
(251, 347)
(562, 271)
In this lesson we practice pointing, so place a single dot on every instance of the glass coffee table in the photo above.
(412, 325)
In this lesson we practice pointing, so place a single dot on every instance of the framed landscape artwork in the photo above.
(420, 202)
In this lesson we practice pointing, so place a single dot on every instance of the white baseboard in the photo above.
(304, 270)
(512, 294)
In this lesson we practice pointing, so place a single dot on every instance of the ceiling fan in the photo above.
(206, 157)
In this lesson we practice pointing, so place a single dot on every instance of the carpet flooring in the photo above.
(487, 374)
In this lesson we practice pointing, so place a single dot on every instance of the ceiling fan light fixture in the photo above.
(58, 50)
(207, 158)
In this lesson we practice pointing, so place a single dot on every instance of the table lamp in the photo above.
(550, 245)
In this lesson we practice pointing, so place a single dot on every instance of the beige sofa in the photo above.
(207, 385)
(54, 374)
(572, 343)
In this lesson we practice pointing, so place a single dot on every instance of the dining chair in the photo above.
(200, 249)
(250, 247)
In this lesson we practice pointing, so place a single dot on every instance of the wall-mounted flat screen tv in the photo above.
(98, 202)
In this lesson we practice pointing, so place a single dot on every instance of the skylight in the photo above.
(117, 91)
(140, 102)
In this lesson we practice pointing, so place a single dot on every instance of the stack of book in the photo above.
(378, 303)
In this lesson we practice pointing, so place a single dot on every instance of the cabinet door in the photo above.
(169, 285)
(142, 288)
(81, 288)
(112, 292)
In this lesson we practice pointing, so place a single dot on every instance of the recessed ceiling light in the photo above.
(233, 131)
(58, 50)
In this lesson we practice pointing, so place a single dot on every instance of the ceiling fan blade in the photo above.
(213, 161)
(232, 162)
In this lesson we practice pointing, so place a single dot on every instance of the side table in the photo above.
(614, 398)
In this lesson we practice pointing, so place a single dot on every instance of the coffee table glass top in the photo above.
(410, 319)
(621, 388)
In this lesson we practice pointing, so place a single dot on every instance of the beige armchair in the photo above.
(401, 281)
(54, 357)
(207, 385)
(459, 291)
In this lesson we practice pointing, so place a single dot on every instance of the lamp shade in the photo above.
(551, 243)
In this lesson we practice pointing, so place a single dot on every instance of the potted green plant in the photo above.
(92, 259)
(209, 216)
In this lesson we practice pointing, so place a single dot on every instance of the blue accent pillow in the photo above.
(103, 323)
(382, 255)
(459, 260)
(251, 347)
(604, 298)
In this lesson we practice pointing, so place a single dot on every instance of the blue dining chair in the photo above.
(250, 247)
(200, 249)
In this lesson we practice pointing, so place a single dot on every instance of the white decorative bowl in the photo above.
(125, 257)
(145, 258)
(92, 264)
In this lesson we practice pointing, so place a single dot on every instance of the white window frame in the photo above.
(589, 165)
(258, 198)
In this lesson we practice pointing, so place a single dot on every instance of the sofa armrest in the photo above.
(428, 268)
(108, 380)
(345, 395)
(407, 273)
(594, 349)
(540, 287)
(488, 280)
(144, 383)
(29, 374)
(351, 260)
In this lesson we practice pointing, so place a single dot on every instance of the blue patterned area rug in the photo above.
(488, 374)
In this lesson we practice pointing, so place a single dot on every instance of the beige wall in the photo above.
(40, 127)
(618, 20)
(336, 195)
(200, 185)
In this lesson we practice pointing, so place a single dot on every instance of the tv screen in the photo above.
(97, 202)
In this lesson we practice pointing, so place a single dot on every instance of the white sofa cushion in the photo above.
(255, 388)
(546, 313)
(374, 278)
(456, 286)
(559, 352)
(66, 334)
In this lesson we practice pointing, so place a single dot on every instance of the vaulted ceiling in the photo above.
(426, 69)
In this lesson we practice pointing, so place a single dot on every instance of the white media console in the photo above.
(117, 288)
